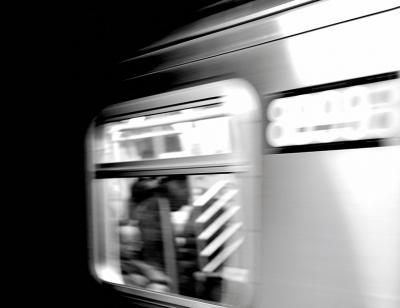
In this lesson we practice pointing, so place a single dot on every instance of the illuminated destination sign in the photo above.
(359, 112)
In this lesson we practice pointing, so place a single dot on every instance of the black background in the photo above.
(62, 60)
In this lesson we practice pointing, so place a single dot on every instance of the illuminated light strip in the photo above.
(207, 214)
(211, 192)
(148, 135)
(343, 131)
(225, 254)
(173, 119)
(218, 223)
(220, 239)
(353, 113)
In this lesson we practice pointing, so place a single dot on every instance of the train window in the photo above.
(174, 190)
(178, 133)
(178, 233)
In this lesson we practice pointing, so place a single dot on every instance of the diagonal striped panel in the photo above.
(220, 239)
(213, 209)
(218, 223)
(211, 192)
(222, 256)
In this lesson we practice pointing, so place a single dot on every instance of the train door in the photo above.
(175, 193)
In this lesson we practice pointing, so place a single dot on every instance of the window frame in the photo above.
(240, 161)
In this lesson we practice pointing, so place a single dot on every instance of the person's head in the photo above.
(143, 189)
(176, 189)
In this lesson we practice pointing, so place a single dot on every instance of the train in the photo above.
(252, 160)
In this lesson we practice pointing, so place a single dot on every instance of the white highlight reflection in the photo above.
(339, 52)
(371, 211)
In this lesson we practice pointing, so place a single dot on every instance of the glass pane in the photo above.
(177, 234)
(179, 133)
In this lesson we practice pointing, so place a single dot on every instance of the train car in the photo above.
(253, 160)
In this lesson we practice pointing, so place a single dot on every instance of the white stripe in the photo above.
(218, 223)
(211, 192)
(207, 214)
(219, 259)
(220, 240)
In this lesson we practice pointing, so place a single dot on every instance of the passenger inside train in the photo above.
(158, 238)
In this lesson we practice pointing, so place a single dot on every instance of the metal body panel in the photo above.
(245, 13)
(246, 34)
(332, 229)
(358, 48)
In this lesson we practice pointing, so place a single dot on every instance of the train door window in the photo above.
(174, 189)
(170, 134)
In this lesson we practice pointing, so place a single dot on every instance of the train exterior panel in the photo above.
(322, 217)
